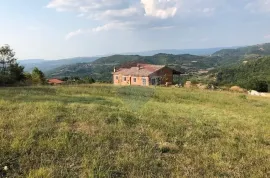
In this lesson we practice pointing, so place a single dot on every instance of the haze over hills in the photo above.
(259, 49)
(203, 51)
(46, 65)
(101, 68)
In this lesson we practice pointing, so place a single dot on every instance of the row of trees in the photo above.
(78, 80)
(11, 73)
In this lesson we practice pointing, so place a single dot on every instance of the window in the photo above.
(116, 77)
(124, 78)
(159, 81)
(153, 81)
(134, 80)
(144, 81)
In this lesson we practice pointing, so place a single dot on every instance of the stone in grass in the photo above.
(166, 147)
(5, 168)
(3, 171)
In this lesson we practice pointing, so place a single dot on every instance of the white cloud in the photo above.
(162, 28)
(160, 8)
(135, 14)
(256, 6)
(267, 36)
(112, 26)
(85, 5)
(75, 33)
(115, 14)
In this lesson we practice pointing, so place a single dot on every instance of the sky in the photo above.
(57, 29)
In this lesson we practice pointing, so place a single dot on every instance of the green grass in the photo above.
(107, 131)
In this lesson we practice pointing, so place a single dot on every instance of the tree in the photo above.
(258, 85)
(89, 80)
(16, 72)
(10, 71)
(6, 58)
(38, 76)
(28, 78)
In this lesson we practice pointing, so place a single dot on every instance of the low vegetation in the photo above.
(253, 75)
(106, 131)
(10, 71)
(12, 74)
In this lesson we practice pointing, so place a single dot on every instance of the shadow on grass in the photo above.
(62, 99)
(29, 90)
(135, 97)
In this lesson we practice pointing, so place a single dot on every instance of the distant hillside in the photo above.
(206, 51)
(46, 65)
(184, 60)
(260, 49)
(30, 61)
(242, 74)
(101, 68)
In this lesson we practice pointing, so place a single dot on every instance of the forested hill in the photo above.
(46, 65)
(101, 68)
(159, 59)
(260, 49)
(245, 74)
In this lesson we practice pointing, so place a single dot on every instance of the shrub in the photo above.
(194, 81)
(258, 85)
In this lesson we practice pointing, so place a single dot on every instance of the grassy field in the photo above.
(106, 131)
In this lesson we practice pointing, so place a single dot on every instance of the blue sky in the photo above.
(53, 29)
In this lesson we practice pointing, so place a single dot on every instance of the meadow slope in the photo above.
(107, 131)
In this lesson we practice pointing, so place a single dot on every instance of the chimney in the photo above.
(138, 66)
(114, 69)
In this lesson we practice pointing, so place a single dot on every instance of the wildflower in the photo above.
(5, 168)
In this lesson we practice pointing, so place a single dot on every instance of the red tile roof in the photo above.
(55, 81)
(144, 71)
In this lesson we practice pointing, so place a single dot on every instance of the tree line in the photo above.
(11, 73)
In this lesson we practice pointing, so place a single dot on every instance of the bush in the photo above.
(194, 81)
(258, 85)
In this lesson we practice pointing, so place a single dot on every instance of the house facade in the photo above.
(143, 75)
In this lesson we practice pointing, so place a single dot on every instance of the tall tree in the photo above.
(10, 71)
(38, 76)
(7, 58)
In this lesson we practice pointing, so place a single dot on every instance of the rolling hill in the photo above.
(101, 68)
(205, 51)
(245, 74)
(260, 49)
(46, 65)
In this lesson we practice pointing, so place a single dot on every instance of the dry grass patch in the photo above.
(84, 127)
(166, 147)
